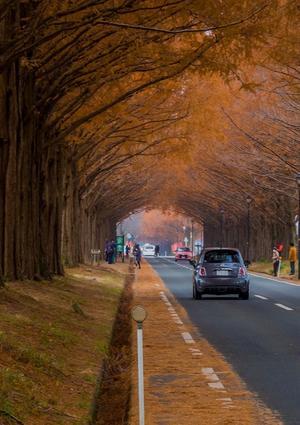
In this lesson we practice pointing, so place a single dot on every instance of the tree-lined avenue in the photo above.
(111, 107)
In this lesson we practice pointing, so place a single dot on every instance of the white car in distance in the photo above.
(148, 249)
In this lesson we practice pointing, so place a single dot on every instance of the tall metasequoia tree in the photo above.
(19, 157)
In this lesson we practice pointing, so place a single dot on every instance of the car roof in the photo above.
(217, 248)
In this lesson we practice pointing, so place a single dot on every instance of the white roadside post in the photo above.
(279, 267)
(139, 314)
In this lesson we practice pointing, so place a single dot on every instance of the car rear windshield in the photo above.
(221, 256)
(184, 249)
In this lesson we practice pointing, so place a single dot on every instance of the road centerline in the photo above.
(261, 297)
(284, 307)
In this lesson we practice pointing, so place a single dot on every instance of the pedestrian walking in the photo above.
(111, 252)
(106, 250)
(127, 250)
(276, 261)
(292, 258)
(156, 250)
(137, 255)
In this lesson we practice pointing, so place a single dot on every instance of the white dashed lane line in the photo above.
(171, 309)
(261, 297)
(284, 307)
(180, 265)
(195, 352)
(216, 385)
(187, 338)
(212, 377)
(213, 380)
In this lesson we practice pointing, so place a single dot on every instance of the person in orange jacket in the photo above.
(292, 258)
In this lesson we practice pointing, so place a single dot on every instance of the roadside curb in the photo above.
(275, 279)
(186, 380)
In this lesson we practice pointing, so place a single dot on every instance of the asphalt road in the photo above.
(259, 337)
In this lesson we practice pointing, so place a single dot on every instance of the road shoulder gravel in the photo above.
(186, 380)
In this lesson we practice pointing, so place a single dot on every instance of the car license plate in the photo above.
(222, 273)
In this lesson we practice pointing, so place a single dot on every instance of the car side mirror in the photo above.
(192, 263)
(247, 263)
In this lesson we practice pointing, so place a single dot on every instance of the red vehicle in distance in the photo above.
(183, 253)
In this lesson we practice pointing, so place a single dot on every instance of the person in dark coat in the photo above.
(137, 255)
(106, 250)
(111, 252)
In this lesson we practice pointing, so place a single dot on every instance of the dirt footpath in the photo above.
(187, 382)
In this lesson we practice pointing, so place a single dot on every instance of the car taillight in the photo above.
(202, 271)
(242, 272)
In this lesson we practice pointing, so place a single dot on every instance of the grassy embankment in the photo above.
(54, 337)
(267, 268)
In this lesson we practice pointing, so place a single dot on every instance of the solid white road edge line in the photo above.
(261, 297)
(284, 282)
(284, 307)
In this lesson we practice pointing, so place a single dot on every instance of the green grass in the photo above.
(264, 266)
(27, 354)
(16, 389)
(50, 355)
(102, 347)
(55, 334)
(91, 379)
(111, 291)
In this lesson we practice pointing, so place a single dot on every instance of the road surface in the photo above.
(260, 337)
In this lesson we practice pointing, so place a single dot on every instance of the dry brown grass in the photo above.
(176, 391)
(53, 339)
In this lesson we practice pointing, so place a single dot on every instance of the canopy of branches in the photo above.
(190, 104)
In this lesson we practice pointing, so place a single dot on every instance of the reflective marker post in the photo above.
(139, 314)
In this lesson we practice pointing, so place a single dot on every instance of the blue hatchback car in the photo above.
(220, 271)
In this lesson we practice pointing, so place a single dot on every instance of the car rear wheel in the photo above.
(196, 293)
(244, 295)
